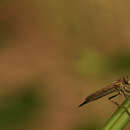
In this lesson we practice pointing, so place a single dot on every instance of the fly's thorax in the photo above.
(117, 82)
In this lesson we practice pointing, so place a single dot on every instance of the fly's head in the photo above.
(126, 84)
(122, 82)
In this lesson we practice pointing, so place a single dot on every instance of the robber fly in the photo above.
(120, 86)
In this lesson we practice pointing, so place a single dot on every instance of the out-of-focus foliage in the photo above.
(94, 63)
(1, 1)
(18, 108)
(7, 31)
(90, 62)
(88, 126)
(120, 62)
(42, 36)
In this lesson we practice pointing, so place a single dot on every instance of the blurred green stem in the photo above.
(120, 118)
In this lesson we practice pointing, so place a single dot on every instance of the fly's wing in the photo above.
(100, 93)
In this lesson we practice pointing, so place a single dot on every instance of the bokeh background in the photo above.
(53, 53)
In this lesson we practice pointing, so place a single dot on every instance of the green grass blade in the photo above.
(120, 118)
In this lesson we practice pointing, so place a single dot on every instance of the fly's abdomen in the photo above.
(98, 94)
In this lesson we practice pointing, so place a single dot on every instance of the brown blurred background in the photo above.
(55, 53)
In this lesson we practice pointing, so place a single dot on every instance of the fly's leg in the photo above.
(126, 96)
(118, 105)
(110, 98)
